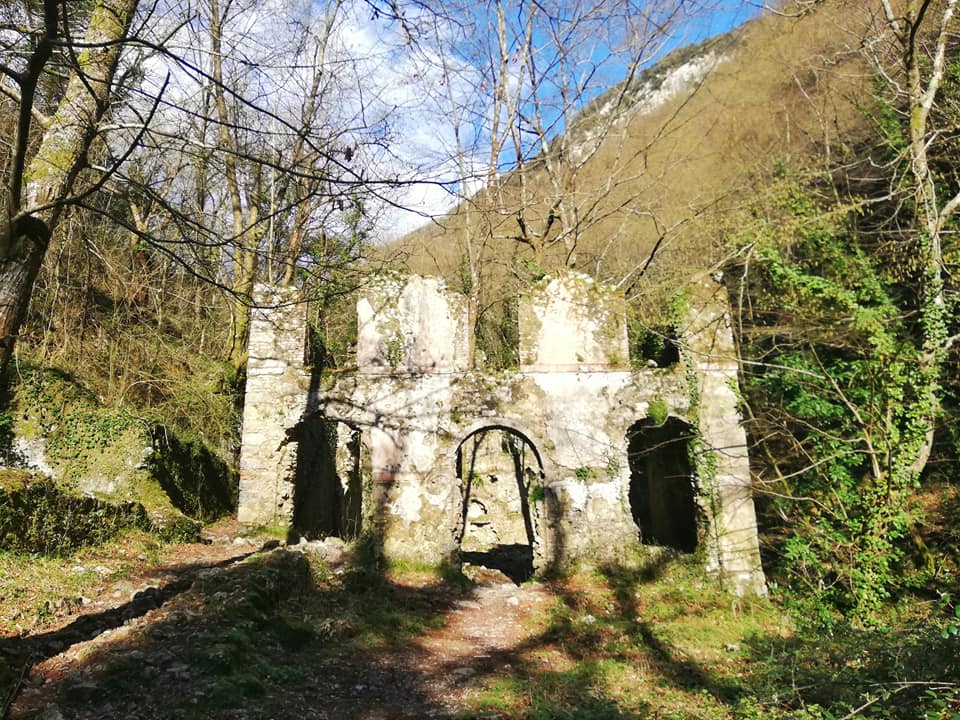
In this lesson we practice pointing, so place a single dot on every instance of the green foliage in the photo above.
(652, 330)
(837, 375)
(537, 493)
(80, 436)
(903, 671)
(888, 120)
(658, 412)
(116, 455)
(38, 517)
(498, 336)
(197, 481)
(6, 434)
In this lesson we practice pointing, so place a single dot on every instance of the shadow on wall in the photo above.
(327, 490)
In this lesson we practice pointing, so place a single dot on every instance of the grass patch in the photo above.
(280, 633)
(37, 590)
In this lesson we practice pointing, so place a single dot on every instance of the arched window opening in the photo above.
(327, 491)
(662, 488)
(500, 478)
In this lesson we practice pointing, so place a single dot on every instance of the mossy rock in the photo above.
(197, 481)
(37, 516)
(117, 457)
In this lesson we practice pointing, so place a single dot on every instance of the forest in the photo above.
(163, 159)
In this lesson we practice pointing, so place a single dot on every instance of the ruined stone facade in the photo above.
(432, 458)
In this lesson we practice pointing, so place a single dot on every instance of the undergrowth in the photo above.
(281, 632)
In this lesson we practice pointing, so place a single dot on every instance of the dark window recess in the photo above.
(654, 347)
(662, 492)
(328, 485)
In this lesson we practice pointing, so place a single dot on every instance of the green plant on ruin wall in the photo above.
(584, 473)
(703, 457)
(658, 412)
(394, 350)
(650, 338)
(612, 464)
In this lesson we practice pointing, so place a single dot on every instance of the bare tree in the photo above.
(240, 157)
(537, 93)
(42, 174)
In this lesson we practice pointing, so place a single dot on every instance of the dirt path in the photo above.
(148, 638)
(435, 675)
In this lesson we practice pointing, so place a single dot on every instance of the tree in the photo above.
(914, 74)
(849, 324)
(41, 182)
(536, 94)
(279, 139)
(241, 161)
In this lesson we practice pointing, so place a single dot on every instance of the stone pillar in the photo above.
(573, 324)
(275, 399)
(723, 464)
(411, 325)
(412, 346)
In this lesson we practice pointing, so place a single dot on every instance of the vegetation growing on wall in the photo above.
(38, 517)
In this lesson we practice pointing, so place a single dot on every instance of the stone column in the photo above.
(571, 323)
(723, 464)
(275, 399)
(412, 346)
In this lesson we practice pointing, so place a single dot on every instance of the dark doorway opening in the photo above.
(662, 488)
(501, 481)
(327, 490)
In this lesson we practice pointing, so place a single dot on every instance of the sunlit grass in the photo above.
(36, 591)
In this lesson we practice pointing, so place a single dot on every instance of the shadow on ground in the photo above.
(282, 636)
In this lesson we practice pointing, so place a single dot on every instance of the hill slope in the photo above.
(705, 129)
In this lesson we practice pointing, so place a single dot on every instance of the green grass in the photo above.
(37, 590)
(280, 632)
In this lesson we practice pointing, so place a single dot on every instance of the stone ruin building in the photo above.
(573, 456)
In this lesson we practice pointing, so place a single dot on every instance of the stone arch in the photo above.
(663, 492)
(504, 423)
(500, 473)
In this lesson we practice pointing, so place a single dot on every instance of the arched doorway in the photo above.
(501, 482)
(663, 494)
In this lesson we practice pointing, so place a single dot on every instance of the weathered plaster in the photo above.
(414, 402)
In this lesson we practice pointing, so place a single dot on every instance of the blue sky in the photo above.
(422, 116)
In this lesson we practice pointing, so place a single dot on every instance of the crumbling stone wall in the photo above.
(414, 404)
(274, 402)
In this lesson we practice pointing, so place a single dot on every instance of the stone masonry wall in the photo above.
(725, 466)
(415, 404)
(275, 400)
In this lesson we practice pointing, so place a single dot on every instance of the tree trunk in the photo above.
(49, 177)
(28, 243)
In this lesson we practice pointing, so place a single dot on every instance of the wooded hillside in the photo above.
(807, 160)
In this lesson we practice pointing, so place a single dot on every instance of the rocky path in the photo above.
(150, 624)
